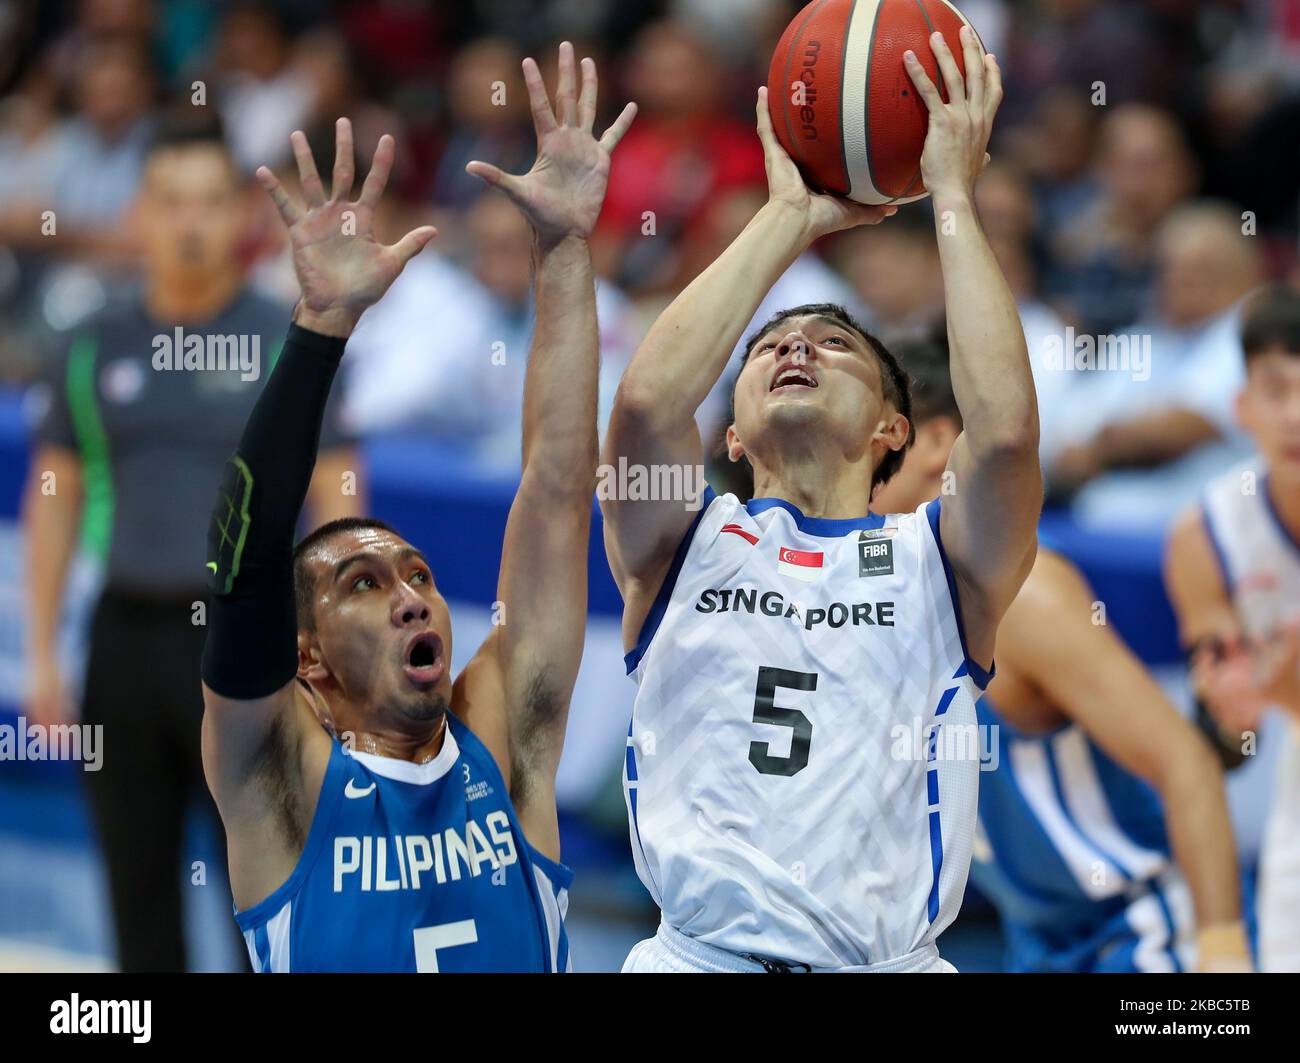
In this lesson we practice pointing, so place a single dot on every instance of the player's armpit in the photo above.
(520, 718)
(264, 760)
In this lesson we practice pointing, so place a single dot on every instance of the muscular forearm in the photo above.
(991, 377)
(1200, 833)
(559, 430)
(687, 350)
(251, 648)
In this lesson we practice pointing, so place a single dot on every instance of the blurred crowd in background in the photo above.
(1146, 177)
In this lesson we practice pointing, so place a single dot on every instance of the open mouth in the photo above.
(792, 377)
(424, 663)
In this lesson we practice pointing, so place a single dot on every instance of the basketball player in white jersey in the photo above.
(1104, 840)
(796, 656)
(1233, 572)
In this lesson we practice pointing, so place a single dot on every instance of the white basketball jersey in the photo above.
(791, 783)
(1260, 562)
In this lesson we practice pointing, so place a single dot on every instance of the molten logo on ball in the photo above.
(860, 132)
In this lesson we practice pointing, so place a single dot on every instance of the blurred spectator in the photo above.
(500, 261)
(894, 268)
(682, 151)
(96, 156)
(487, 107)
(1144, 170)
(1056, 148)
(262, 96)
(1145, 439)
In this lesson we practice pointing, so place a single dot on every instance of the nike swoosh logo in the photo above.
(352, 790)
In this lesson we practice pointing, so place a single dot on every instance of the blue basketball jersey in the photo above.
(414, 867)
(1072, 851)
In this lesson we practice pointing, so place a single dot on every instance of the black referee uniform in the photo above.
(152, 443)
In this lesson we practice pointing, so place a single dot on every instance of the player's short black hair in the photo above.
(187, 127)
(304, 580)
(926, 358)
(1272, 320)
(894, 381)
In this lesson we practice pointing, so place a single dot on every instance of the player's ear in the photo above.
(893, 430)
(735, 448)
(311, 665)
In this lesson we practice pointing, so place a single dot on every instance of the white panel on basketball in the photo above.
(853, 101)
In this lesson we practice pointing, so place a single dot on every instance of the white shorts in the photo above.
(1279, 872)
(672, 952)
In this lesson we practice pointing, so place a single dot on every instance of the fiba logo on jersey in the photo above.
(875, 555)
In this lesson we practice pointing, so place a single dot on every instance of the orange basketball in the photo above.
(841, 102)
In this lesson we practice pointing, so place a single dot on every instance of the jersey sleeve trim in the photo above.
(653, 618)
(331, 793)
(969, 666)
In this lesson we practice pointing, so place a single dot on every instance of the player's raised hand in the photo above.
(563, 192)
(957, 140)
(821, 212)
(341, 267)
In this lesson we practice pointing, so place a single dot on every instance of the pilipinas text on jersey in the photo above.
(416, 868)
(799, 775)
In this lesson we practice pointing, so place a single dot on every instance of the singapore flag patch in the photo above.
(801, 564)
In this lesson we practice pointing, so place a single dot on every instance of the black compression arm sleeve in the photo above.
(251, 649)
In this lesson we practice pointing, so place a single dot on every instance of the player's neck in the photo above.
(177, 299)
(837, 491)
(419, 748)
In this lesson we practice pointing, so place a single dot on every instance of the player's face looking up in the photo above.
(812, 381)
(377, 650)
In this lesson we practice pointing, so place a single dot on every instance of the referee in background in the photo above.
(139, 422)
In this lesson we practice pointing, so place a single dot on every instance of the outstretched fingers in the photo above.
(566, 106)
(620, 126)
(288, 209)
(345, 168)
(413, 243)
(587, 100)
(492, 175)
(377, 179)
(543, 118)
(313, 192)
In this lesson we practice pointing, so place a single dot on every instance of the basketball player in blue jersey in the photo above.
(381, 817)
(1233, 571)
(782, 646)
(1099, 804)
